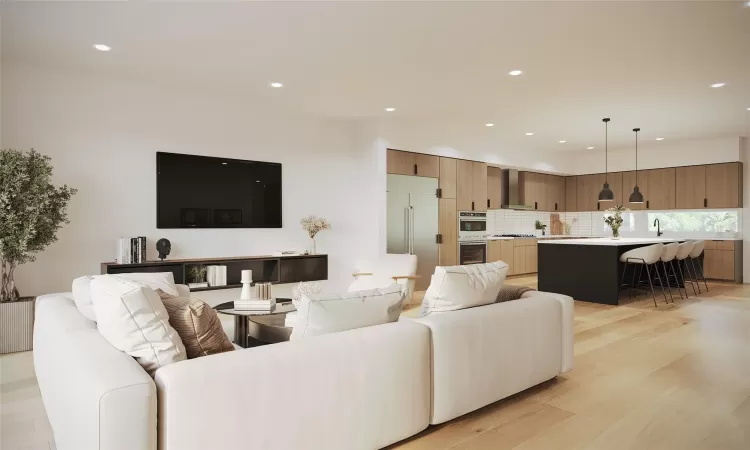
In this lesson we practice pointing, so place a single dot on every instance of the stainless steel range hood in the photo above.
(512, 191)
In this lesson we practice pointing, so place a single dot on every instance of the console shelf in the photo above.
(273, 269)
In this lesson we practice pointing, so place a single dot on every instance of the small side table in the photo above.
(242, 328)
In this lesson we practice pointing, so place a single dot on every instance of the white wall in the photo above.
(656, 154)
(102, 136)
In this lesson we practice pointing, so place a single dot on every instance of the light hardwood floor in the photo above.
(672, 377)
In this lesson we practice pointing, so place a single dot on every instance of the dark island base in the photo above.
(591, 273)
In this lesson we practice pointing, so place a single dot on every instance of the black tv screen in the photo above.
(206, 192)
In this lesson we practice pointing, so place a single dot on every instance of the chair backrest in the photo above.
(669, 251)
(697, 248)
(649, 254)
(683, 251)
(383, 270)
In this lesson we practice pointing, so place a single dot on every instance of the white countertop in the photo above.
(612, 242)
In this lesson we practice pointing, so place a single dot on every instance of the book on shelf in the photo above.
(216, 275)
(131, 250)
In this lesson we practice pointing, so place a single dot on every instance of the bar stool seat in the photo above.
(644, 257)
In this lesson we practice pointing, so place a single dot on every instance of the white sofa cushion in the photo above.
(322, 314)
(131, 316)
(157, 280)
(460, 287)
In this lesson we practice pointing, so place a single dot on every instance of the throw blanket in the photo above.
(508, 293)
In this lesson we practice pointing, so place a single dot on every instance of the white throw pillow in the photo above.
(322, 314)
(131, 316)
(156, 280)
(459, 287)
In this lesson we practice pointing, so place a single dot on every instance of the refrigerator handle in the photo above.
(411, 225)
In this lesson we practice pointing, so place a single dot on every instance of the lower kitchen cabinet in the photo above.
(524, 256)
(501, 250)
(722, 260)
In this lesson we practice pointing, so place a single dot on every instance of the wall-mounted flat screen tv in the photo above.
(208, 192)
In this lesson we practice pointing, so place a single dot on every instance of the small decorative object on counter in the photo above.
(313, 225)
(539, 225)
(164, 247)
(614, 220)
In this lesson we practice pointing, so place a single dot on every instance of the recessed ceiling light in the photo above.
(529, 134)
(659, 139)
(589, 148)
(489, 124)
(562, 142)
(390, 109)
(224, 163)
(718, 85)
(276, 84)
(102, 47)
(515, 73)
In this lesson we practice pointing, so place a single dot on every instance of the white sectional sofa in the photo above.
(359, 389)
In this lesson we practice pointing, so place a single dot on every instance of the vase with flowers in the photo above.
(314, 225)
(614, 219)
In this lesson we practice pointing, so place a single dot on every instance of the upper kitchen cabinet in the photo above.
(494, 187)
(571, 192)
(628, 184)
(417, 164)
(587, 190)
(533, 188)
(555, 198)
(479, 189)
(724, 185)
(447, 180)
(471, 185)
(660, 192)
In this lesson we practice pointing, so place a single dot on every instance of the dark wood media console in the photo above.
(274, 269)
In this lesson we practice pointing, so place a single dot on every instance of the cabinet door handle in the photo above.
(535, 205)
(647, 205)
(555, 206)
(488, 203)
(415, 169)
(439, 193)
(472, 206)
(705, 203)
(438, 238)
(597, 206)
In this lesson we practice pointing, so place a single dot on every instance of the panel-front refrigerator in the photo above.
(412, 218)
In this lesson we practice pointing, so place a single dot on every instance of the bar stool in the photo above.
(683, 252)
(667, 256)
(643, 257)
(695, 257)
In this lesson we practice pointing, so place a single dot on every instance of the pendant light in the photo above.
(636, 196)
(606, 194)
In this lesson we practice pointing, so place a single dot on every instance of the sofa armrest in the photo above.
(567, 325)
(96, 397)
(359, 389)
(183, 290)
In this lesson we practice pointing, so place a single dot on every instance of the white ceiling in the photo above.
(642, 64)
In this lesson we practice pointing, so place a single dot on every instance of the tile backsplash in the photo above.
(684, 223)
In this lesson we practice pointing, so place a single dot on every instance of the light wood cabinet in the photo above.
(494, 187)
(464, 185)
(525, 259)
(447, 179)
(448, 228)
(501, 250)
(471, 186)
(628, 183)
(690, 187)
(558, 198)
(479, 188)
(723, 185)
(718, 264)
(588, 188)
(615, 183)
(519, 260)
(532, 265)
(542, 191)
(571, 192)
(661, 188)
(406, 163)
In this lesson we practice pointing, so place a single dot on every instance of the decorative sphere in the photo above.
(163, 246)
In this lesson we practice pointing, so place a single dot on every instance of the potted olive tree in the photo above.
(32, 209)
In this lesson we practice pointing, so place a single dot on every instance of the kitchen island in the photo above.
(587, 269)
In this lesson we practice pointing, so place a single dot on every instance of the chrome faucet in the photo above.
(657, 224)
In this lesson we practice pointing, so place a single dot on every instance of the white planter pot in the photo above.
(17, 325)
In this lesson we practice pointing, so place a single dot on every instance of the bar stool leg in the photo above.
(693, 278)
(658, 277)
(703, 277)
(682, 275)
(648, 274)
(676, 278)
(632, 282)
(666, 277)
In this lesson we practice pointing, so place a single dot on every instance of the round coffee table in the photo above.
(252, 328)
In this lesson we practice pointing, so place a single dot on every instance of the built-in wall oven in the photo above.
(472, 237)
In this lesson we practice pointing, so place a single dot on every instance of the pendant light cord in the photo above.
(606, 151)
(636, 157)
